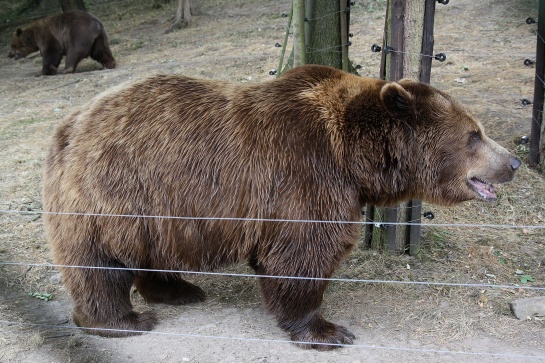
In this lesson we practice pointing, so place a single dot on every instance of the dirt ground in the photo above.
(485, 43)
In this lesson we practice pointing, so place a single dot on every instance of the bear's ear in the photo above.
(397, 101)
(19, 31)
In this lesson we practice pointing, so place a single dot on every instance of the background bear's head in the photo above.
(455, 160)
(23, 43)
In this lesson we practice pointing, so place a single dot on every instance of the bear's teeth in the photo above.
(483, 189)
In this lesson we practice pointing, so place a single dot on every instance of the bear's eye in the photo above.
(474, 139)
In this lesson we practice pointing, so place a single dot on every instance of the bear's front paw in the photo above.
(132, 323)
(323, 336)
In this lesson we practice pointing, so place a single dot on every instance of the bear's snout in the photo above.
(495, 165)
(515, 163)
(14, 54)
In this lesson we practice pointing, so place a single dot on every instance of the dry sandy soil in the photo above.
(486, 44)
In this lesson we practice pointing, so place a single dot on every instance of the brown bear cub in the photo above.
(317, 144)
(74, 34)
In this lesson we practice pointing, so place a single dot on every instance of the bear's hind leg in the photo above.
(101, 52)
(167, 289)
(73, 57)
(102, 301)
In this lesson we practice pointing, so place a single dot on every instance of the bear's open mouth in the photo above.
(483, 189)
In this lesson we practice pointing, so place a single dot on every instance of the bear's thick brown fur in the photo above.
(76, 34)
(315, 144)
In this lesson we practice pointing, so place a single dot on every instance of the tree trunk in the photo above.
(183, 16)
(68, 5)
(322, 33)
(324, 45)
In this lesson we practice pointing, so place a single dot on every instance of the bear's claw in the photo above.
(131, 324)
(333, 337)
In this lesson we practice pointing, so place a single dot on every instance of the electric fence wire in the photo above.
(277, 220)
(281, 341)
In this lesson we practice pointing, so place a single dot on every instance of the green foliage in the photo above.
(526, 278)
(28, 121)
(372, 6)
(41, 296)
(26, 6)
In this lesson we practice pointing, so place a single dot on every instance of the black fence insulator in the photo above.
(358, 66)
(284, 15)
(428, 215)
(444, 2)
(352, 3)
(525, 102)
(278, 45)
(528, 62)
(524, 140)
(441, 57)
(531, 21)
(272, 72)
(375, 48)
(388, 49)
(350, 35)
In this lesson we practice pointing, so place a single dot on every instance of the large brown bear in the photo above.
(314, 145)
(76, 34)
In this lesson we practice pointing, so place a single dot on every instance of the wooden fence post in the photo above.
(407, 52)
(344, 14)
(299, 48)
(537, 136)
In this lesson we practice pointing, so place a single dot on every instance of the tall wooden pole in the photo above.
(299, 49)
(343, 6)
(310, 7)
(407, 49)
(537, 137)
(425, 77)
(283, 52)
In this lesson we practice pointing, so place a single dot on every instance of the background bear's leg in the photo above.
(101, 52)
(167, 289)
(296, 304)
(73, 57)
(102, 299)
(51, 60)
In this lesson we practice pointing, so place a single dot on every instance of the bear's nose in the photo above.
(515, 163)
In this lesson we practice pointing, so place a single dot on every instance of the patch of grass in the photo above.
(434, 244)
(28, 121)
(138, 44)
(371, 6)
(37, 340)
(437, 237)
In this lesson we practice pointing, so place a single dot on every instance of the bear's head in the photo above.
(23, 43)
(453, 159)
